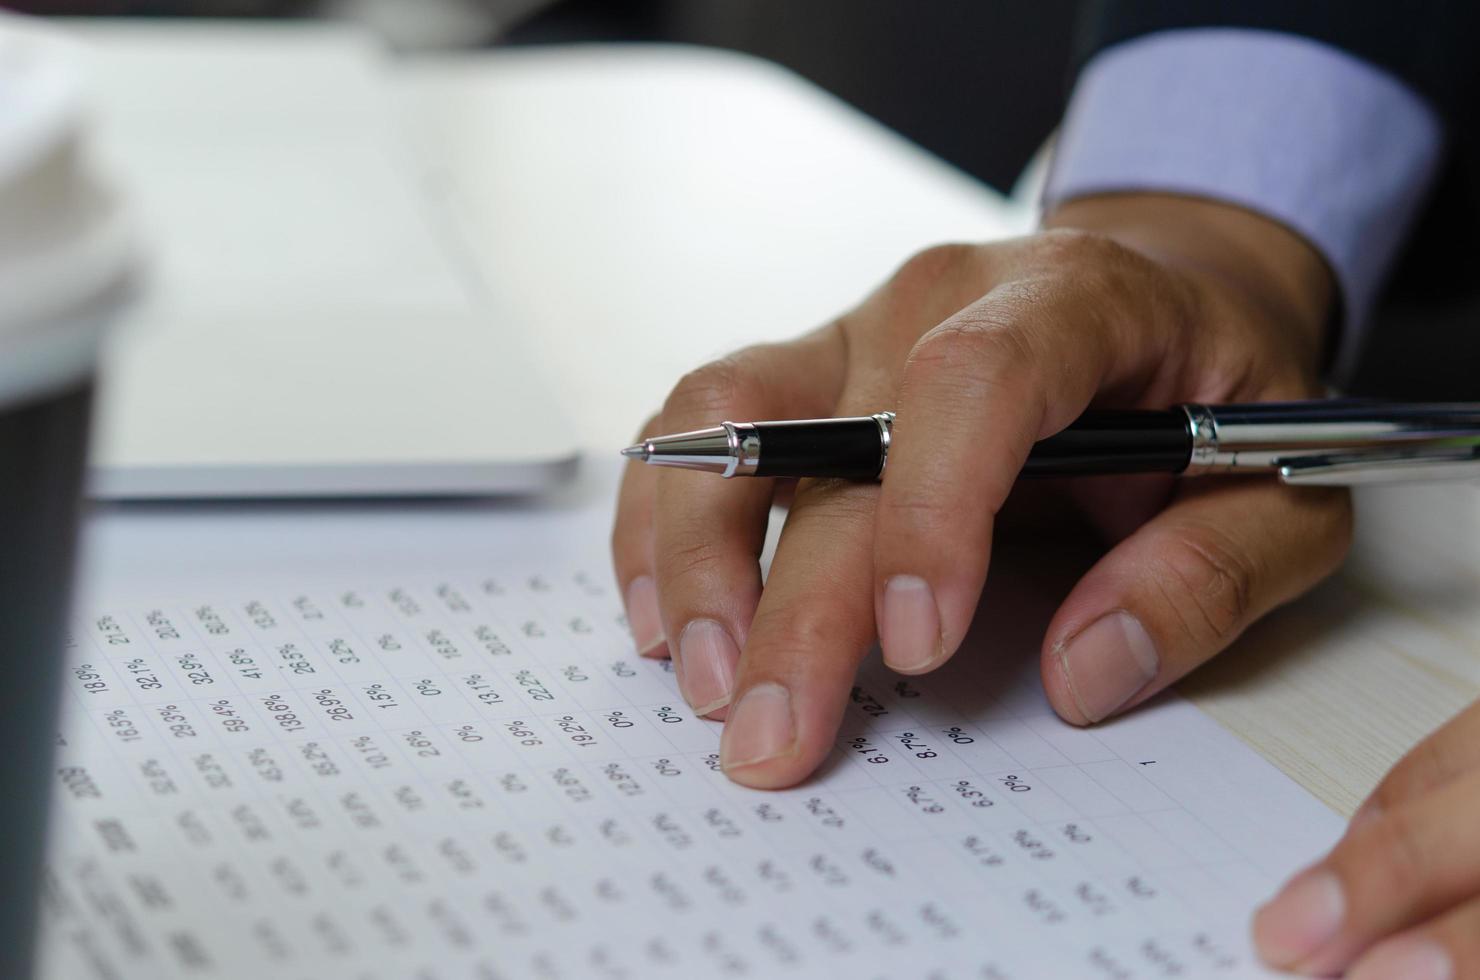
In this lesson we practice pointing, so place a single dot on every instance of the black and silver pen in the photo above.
(1328, 442)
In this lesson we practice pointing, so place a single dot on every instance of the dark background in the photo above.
(981, 84)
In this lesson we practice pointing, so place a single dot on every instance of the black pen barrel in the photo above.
(841, 449)
(1097, 443)
(1115, 442)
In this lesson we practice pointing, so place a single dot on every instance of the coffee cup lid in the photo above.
(66, 254)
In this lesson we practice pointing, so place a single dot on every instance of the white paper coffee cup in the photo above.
(66, 262)
(66, 256)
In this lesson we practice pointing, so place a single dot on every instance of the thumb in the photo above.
(1184, 586)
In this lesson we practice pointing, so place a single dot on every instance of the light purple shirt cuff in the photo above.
(1329, 145)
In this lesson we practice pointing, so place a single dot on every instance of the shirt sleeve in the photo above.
(1323, 142)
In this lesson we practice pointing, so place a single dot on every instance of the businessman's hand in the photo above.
(1400, 895)
(1130, 301)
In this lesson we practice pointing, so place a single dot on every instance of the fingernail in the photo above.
(1301, 919)
(642, 615)
(1107, 663)
(708, 657)
(1406, 959)
(759, 727)
(909, 629)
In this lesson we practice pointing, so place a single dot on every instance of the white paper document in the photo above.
(404, 769)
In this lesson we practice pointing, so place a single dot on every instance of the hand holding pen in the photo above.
(984, 351)
(1183, 583)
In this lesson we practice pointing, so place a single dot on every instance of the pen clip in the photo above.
(1418, 465)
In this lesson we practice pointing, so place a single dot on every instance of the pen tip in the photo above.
(638, 451)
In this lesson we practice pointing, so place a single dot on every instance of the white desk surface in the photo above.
(644, 209)
(649, 208)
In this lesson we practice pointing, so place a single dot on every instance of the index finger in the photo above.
(632, 550)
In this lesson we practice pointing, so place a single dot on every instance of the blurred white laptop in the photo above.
(311, 325)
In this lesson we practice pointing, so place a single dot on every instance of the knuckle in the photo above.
(928, 288)
(967, 360)
(929, 266)
(1073, 246)
(1094, 265)
(973, 341)
(711, 390)
(1209, 580)
(911, 517)
(1116, 287)
(837, 506)
(955, 342)
(690, 559)
(803, 630)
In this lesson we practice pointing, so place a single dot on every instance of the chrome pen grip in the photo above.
(1335, 441)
